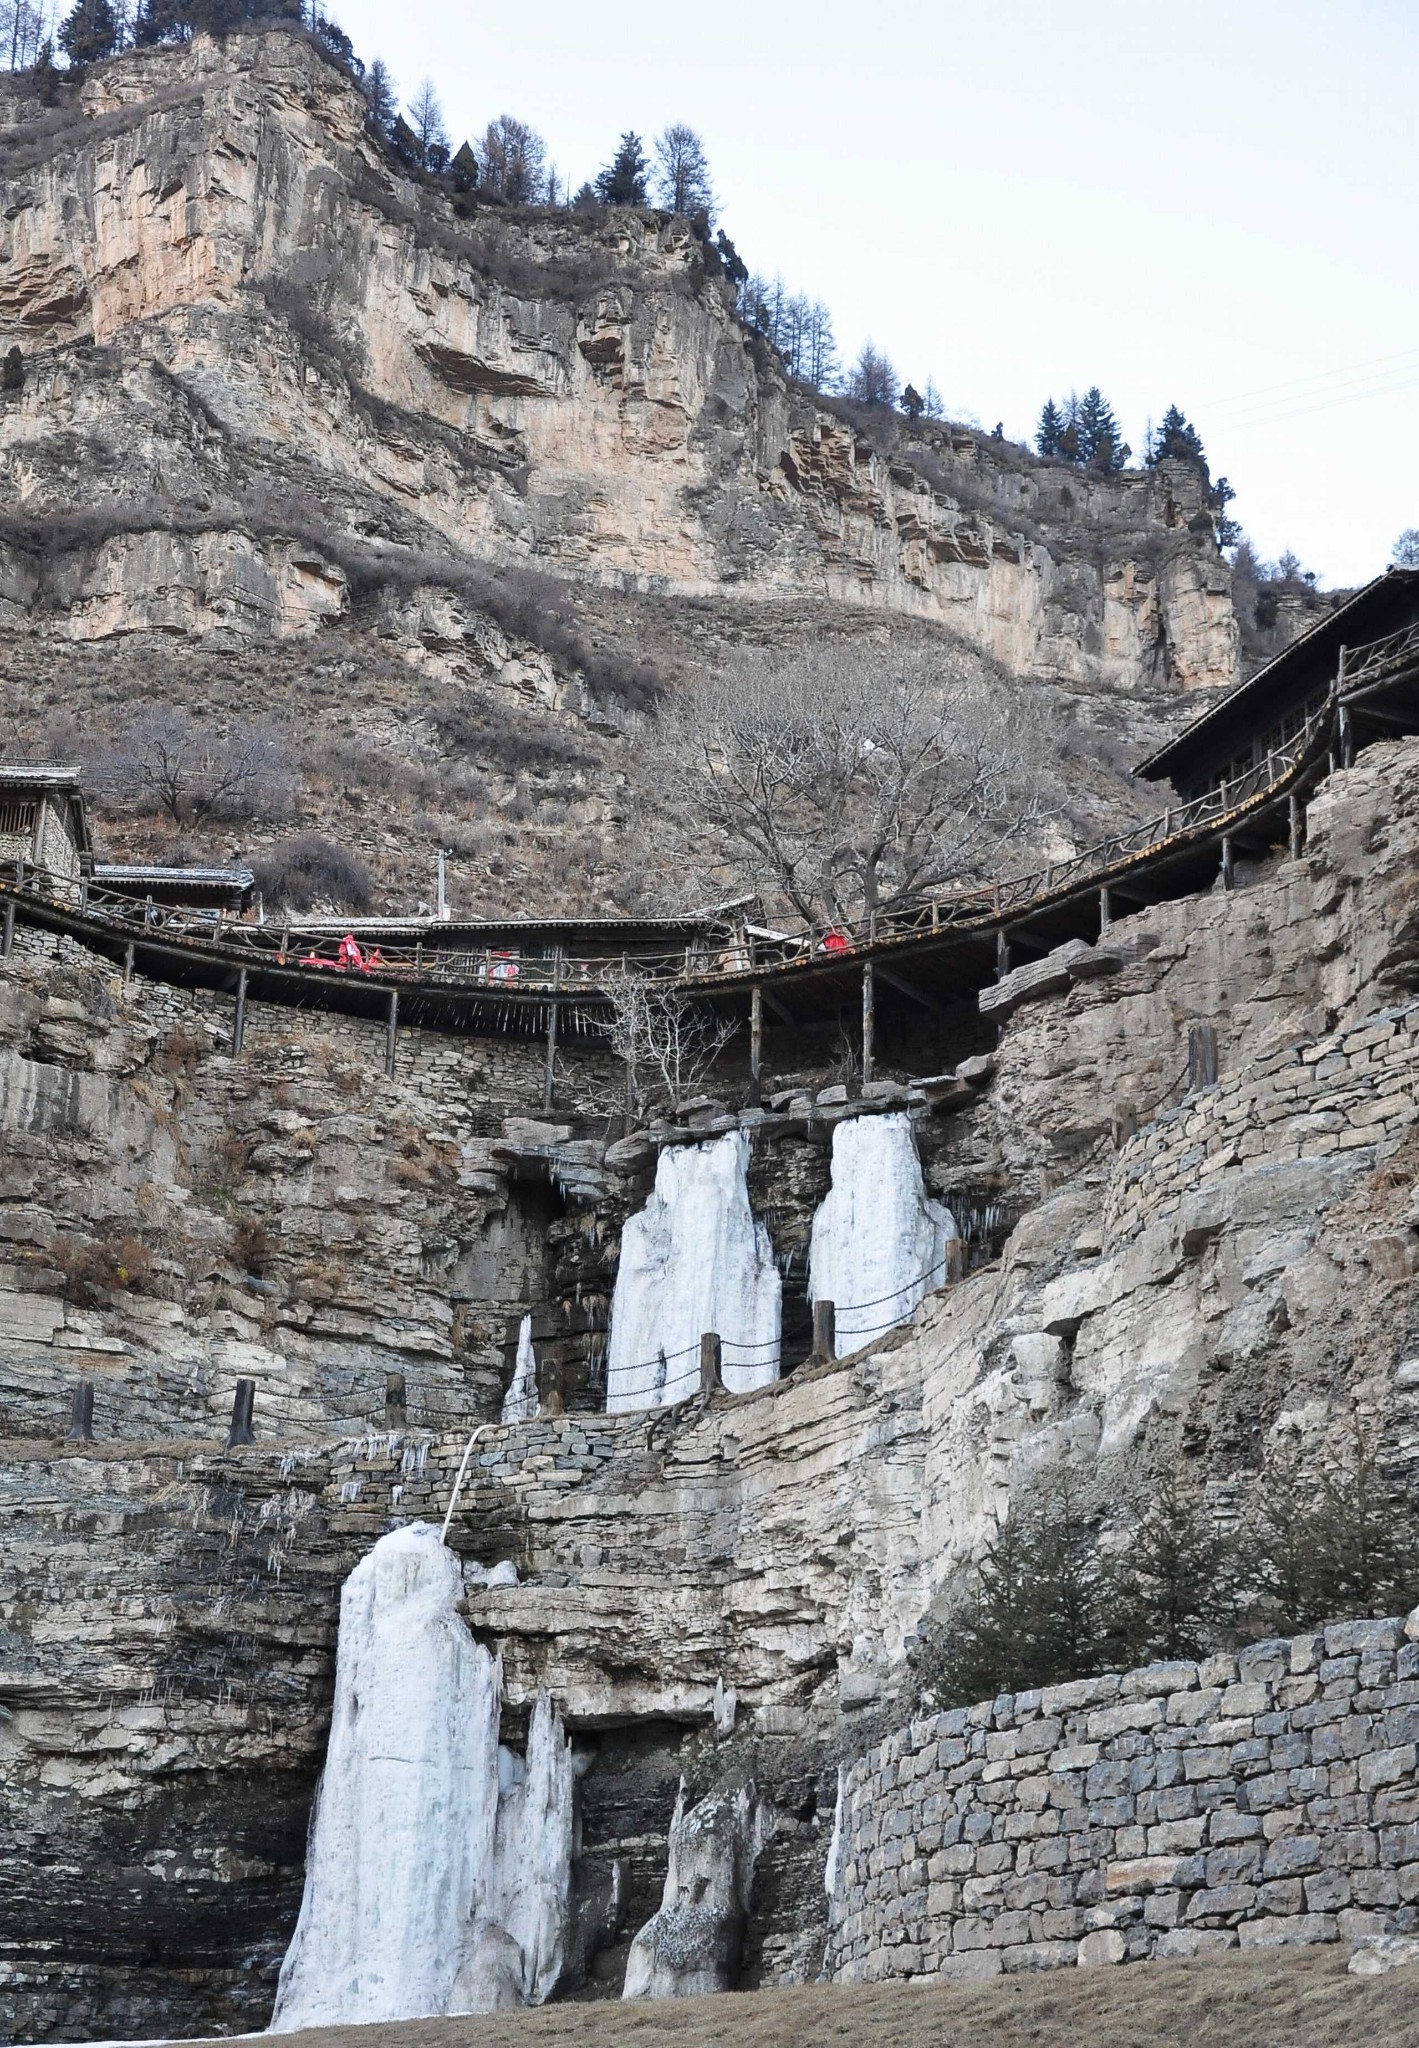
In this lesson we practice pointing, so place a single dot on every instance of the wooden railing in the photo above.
(498, 972)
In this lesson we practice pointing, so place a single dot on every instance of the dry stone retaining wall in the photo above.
(1355, 1091)
(1261, 1798)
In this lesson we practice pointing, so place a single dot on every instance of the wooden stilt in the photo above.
(1297, 823)
(1201, 1056)
(239, 1020)
(549, 1077)
(1228, 865)
(1002, 955)
(1106, 908)
(128, 963)
(243, 1405)
(869, 1020)
(825, 1336)
(391, 1033)
(756, 1045)
(9, 939)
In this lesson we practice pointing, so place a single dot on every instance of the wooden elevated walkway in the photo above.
(936, 955)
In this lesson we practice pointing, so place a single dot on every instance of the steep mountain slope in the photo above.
(275, 389)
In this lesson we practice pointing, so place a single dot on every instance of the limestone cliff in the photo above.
(251, 343)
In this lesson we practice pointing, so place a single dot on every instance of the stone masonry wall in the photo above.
(1355, 1090)
(1266, 1797)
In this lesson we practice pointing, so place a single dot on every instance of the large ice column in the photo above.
(693, 1944)
(520, 1402)
(438, 1871)
(879, 1241)
(693, 1259)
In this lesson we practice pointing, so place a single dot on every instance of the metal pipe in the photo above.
(480, 1432)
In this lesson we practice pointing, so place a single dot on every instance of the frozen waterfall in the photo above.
(520, 1402)
(438, 1873)
(879, 1241)
(693, 1259)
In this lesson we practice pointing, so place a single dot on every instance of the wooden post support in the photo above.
(243, 1403)
(549, 1075)
(825, 1332)
(550, 1398)
(1297, 823)
(391, 1033)
(239, 1020)
(711, 1354)
(756, 1046)
(955, 1261)
(1347, 738)
(1002, 955)
(128, 963)
(81, 1427)
(869, 1020)
(1201, 1056)
(1228, 864)
(1106, 909)
(9, 939)
(396, 1405)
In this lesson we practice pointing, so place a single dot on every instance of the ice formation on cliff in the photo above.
(693, 1944)
(693, 1259)
(879, 1241)
(438, 1878)
(520, 1402)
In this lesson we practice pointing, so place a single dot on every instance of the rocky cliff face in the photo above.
(252, 344)
(727, 1590)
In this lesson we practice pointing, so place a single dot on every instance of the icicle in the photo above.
(520, 1402)
(438, 1879)
(879, 1241)
(693, 1259)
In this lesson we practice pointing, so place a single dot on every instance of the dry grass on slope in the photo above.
(1296, 1999)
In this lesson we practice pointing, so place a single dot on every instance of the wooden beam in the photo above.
(780, 1010)
(391, 1033)
(238, 1019)
(549, 1076)
(905, 988)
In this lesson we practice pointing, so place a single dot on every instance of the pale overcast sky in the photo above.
(1206, 203)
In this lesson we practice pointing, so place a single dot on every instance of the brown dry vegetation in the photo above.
(1301, 1999)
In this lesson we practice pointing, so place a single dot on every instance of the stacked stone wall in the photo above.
(1355, 1091)
(1267, 1797)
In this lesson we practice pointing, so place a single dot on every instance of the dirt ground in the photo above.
(1276, 1999)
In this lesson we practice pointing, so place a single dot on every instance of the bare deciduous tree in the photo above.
(666, 1043)
(196, 772)
(514, 162)
(682, 175)
(855, 779)
(426, 120)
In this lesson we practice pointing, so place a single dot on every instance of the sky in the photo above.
(1196, 203)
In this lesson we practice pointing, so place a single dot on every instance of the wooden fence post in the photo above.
(1201, 1056)
(81, 1426)
(243, 1404)
(825, 1335)
(711, 1356)
(396, 1402)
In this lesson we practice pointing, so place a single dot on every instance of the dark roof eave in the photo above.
(1157, 765)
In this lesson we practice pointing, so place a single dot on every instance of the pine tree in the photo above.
(932, 403)
(1049, 434)
(623, 182)
(913, 403)
(383, 101)
(465, 168)
(1101, 446)
(872, 379)
(1176, 440)
(1174, 1590)
(682, 177)
(90, 32)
